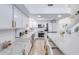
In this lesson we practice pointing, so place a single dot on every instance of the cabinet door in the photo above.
(5, 16)
(18, 17)
(50, 27)
(25, 21)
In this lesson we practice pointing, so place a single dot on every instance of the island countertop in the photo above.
(17, 47)
(67, 44)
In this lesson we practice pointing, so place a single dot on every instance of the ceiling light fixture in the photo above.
(39, 16)
(59, 16)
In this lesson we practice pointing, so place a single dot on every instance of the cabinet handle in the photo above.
(13, 23)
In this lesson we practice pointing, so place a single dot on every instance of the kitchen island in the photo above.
(67, 44)
(19, 47)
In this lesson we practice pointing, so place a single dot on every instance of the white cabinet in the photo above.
(54, 27)
(18, 17)
(25, 21)
(21, 21)
(50, 27)
(5, 16)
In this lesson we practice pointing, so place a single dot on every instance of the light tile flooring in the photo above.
(38, 47)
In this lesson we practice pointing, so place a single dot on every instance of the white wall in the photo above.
(73, 19)
(63, 22)
(73, 8)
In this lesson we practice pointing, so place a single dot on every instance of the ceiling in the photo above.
(45, 9)
(22, 8)
(49, 16)
(48, 12)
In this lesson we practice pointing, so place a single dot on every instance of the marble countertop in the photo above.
(57, 40)
(17, 47)
(67, 44)
(19, 44)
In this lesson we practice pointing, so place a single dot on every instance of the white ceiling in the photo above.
(45, 9)
(49, 16)
(48, 12)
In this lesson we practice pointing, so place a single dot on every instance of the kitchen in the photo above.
(39, 29)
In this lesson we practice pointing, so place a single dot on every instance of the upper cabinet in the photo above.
(11, 16)
(18, 18)
(5, 16)
(25, 21)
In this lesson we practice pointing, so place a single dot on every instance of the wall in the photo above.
(63, 22)
(73, 8)
(70, 21)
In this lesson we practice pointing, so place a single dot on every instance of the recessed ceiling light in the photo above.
(59, 16)
(39, 16)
